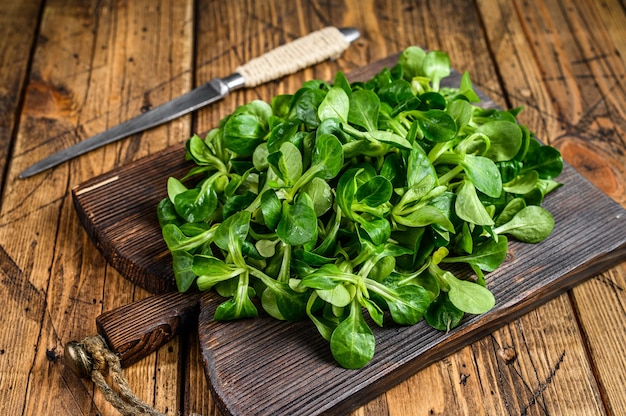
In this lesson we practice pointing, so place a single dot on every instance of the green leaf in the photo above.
(352, 342)
(287, 163)
(280, 301)
(336, 104)
(166, 213)
(283, 132)
(196, 204)
(389, 138)
(271, 207)
(438, 126)
(245, 130)
(211, 270)
(363, 111)
(505, 139)
(379, 230)
(469, 297)
(545, 160)
(442, 314)
(487, 256)
(411, 60)
(436, 66)
(424, 216)
(461, 112)
(321, 194)
(342, 82)
(236, 309)
(523, 183)
(176, 240)
(511, 208)
(298, 224)
(469, 208)
(532, 224)
(409, 305)
(374, 310)
(240, 305)
(374, 192)
(235, 227)
(467, 89)
(418, 167)
(484, 174)
(175, 188)
(338, 296)
(327, 156)
(183, 273)
(305, 104)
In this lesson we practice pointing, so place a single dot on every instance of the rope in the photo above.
(294, 56)
(90, 358)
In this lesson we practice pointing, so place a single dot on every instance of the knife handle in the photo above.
(135, 330)
(327, 43)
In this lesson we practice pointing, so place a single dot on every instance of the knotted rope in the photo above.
(91, 358)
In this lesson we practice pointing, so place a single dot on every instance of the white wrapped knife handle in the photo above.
(327, 43)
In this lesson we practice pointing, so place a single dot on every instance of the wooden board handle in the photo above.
(135, 330)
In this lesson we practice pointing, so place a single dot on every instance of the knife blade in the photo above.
(289, 58)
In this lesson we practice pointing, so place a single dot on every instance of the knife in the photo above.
(289, 58)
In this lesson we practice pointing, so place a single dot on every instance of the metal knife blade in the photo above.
(204, 95)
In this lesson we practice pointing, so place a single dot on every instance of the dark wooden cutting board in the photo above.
(263, 366)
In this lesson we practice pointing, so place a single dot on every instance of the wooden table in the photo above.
(70, 69)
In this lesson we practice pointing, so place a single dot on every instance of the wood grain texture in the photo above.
(93, 64)
(88, 72)
(18, 27)
(136, 330)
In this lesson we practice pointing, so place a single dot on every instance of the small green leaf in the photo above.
(337, 296)
(375, 191)
(271, 207)
(183, 272)
(363, 111)
(468, 296)
(505, 139)
(327, 156)
(523, 183)
(336, 104)
(469, 208)
(532, 224)
(298, 223)
(484, 174)
(487, 256)
(409, 305)
(235, 227)
(442, 314)
(352, 342)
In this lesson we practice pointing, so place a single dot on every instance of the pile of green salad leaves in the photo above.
(345, 200)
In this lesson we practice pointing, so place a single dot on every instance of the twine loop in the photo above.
(91, 358)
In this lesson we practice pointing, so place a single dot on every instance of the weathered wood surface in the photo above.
(83, 66)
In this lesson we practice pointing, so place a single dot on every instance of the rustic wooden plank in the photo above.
(140, 328)
(18, 27)
(95, 64)
(583, 82)
(31, 340)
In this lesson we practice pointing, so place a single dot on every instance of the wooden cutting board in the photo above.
(263, 366)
